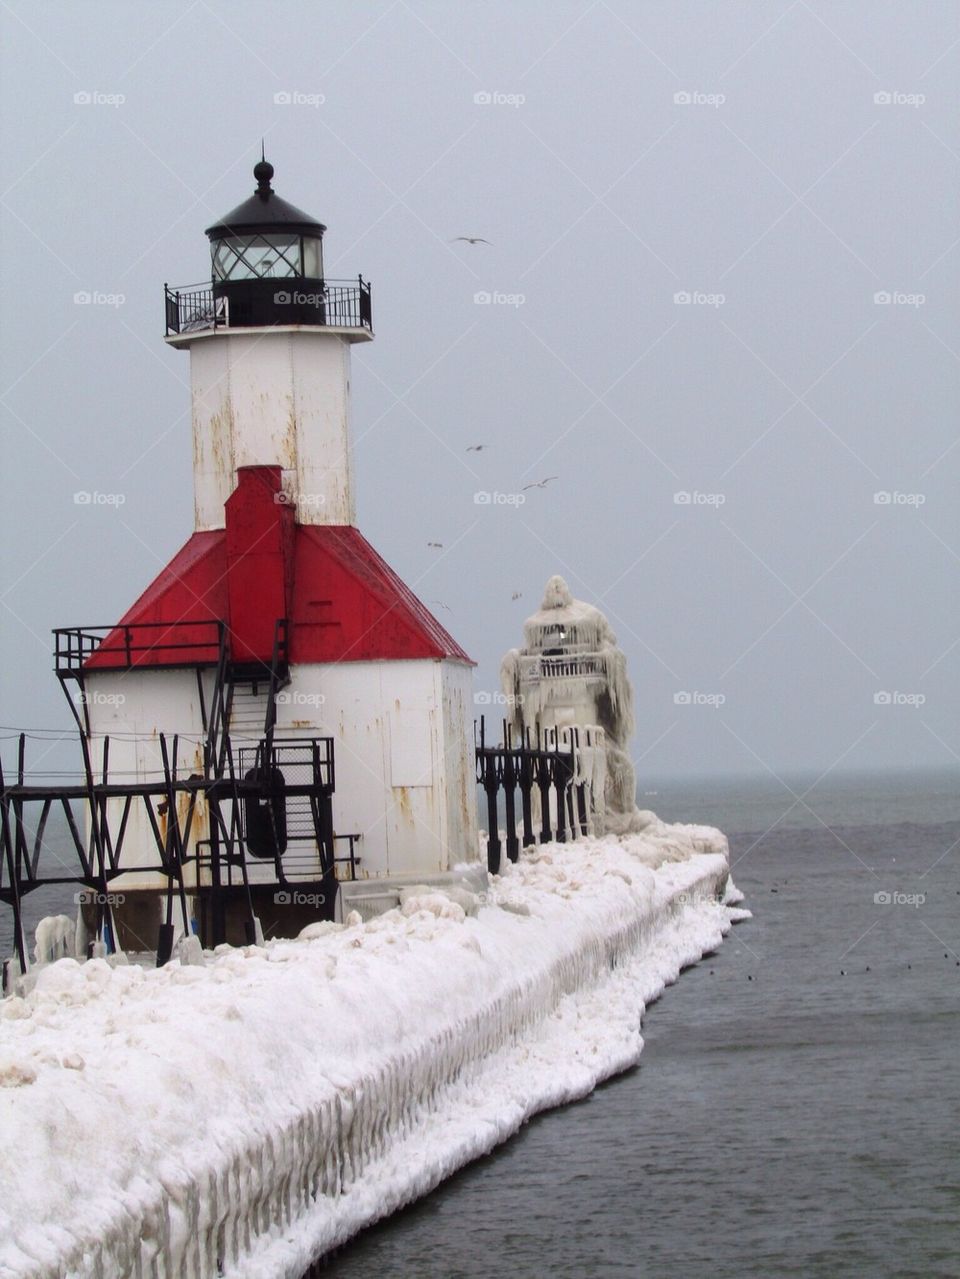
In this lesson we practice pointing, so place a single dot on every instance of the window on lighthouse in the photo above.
(259, 257)
(313, 258)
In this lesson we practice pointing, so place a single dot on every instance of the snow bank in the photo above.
(243, 1115)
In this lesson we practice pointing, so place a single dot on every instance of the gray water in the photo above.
(796, 1107)
(58, 858)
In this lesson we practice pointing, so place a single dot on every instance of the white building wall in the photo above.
(133, 708)
(456, 694)
(404, 775)
(275, 397)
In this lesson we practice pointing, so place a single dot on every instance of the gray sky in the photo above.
(781, 187)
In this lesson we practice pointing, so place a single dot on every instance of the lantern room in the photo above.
(266, 259)
(266, 269)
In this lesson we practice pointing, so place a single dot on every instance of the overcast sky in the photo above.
(781, 163)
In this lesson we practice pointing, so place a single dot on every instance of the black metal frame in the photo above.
(543, 765)
(75, 645)
(220, 304)
(276, 768)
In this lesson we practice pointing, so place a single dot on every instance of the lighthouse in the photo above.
(568, 686)
(309, 716)
(269, 342)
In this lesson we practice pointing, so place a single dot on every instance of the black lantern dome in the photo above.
(267, 269)
(267, 259)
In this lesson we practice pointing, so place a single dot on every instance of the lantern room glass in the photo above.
(267, 257)
(313, 257)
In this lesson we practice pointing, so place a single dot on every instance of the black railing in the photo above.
(180, 819)
(140, 644)
(344, 304)
(350, 858)
(543, 765)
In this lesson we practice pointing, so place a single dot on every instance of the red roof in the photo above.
(345, 605)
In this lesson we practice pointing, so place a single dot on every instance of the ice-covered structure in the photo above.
(239, 1113)
(569, 682)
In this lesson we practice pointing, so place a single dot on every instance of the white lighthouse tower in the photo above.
(277, 649)
(269, 347)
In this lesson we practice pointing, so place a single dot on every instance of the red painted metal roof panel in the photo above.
(191, 589)
(348, 605)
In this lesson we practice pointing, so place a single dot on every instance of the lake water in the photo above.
(797, 1104)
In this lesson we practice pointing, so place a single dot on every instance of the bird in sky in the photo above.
(477, 448)
(470, 239)
(516, 595)
(540, 484)
(442, 605)
(438, 545)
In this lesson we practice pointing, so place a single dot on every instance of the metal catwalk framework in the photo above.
(264, 805)
(258, 805)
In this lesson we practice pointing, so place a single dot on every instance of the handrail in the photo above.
(345, 304)
(74, 646)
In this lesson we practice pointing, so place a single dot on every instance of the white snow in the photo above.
(261, 1107)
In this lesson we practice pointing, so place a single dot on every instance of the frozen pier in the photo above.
(243, 1115)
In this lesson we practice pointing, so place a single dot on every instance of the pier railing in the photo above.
(545, 772)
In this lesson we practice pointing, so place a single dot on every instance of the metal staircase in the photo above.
(249, 711)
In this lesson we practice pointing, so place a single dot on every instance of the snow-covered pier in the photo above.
(244, 1114)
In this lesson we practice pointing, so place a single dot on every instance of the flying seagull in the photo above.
(438, 545)
(442, 605)
(540, 484)
(470, 239)
(477, 448)
(516, 595)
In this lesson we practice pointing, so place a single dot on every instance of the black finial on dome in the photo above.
(265, 211)
(263, 172)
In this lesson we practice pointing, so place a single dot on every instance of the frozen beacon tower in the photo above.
(571, 675)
